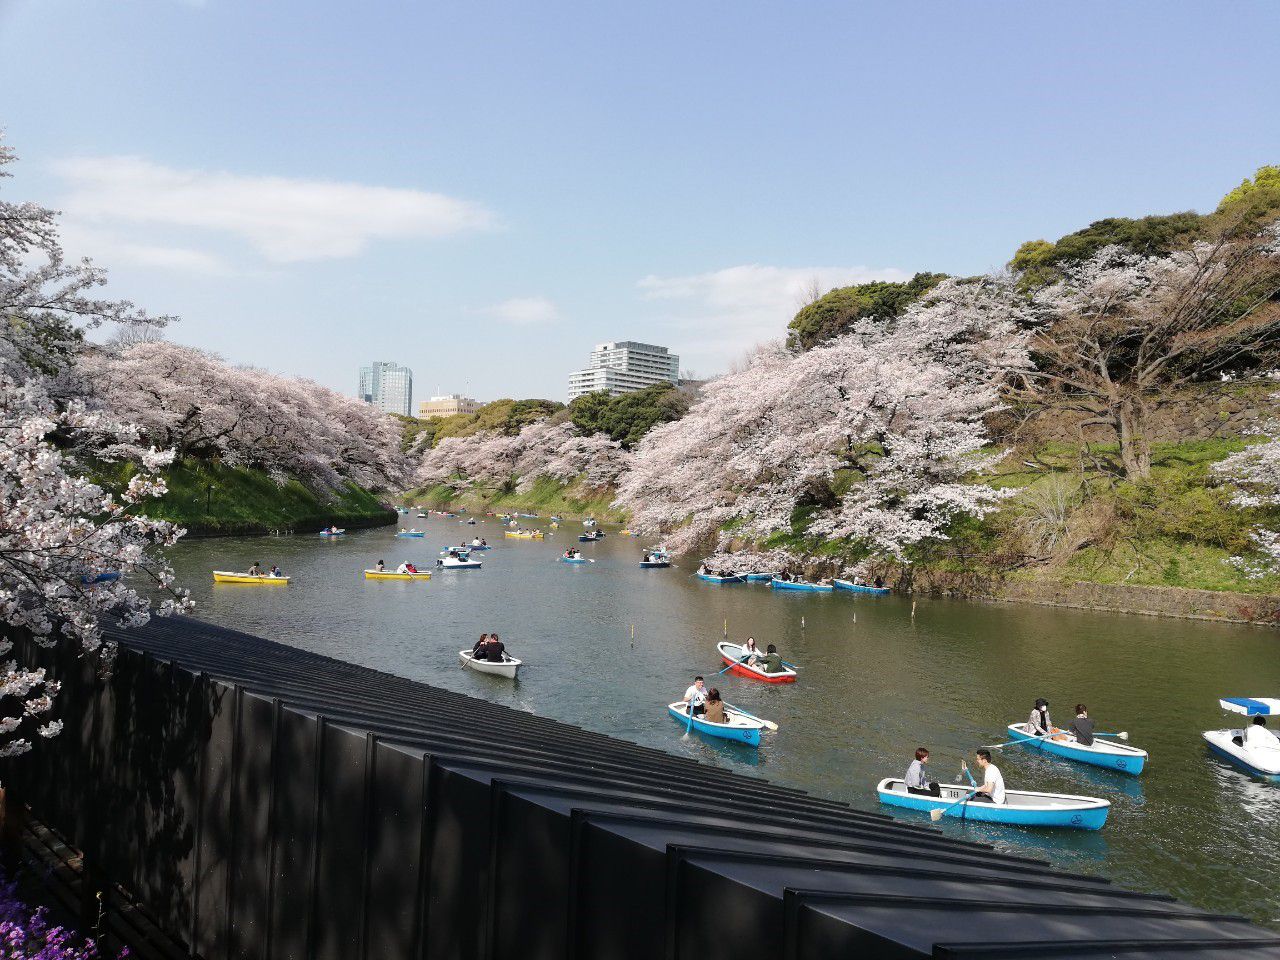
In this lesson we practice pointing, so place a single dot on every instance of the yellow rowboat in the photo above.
(227, 576)
(392, 575)
(523, 534)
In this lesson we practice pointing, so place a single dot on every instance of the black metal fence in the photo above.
(264, 802)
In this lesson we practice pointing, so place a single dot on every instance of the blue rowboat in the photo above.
(859, 587)
(800, 585)
(407, 534)
(1103, 752)
(333, 533)
(712, 578)
(574, 560)
(1022, 808)
(739, 729)
(759, 577)
(588, 538)
(654, 564)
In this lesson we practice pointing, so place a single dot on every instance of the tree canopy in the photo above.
(835, 313)
(627, 418)
(505, 416)
(1040, 262)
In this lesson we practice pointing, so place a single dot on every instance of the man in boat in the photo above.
(917, 780)
(1039, 724)
(403, 568)
(480, 644)
(992, 789)
(714, 711)
(696, 696)
(1256, 735)
(771, 662)
(256, 569)
(1082, 727)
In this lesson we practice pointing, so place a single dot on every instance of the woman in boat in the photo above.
(275, 571)
(1082, 727)
(381, 567)
(1039, 724)
(751, 651)
(917, 780)
(992, 789)
(410, 568)
(256, 569)
(696, 696)
(475, 651)
(714, 711)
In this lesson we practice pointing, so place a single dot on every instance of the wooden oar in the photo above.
(1123, 735)
(936, 815)
(735, 663)
(768, 724)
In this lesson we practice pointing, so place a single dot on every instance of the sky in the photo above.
(484, 190)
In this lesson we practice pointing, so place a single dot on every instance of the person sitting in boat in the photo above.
(714, 710)
(475, 651)
(1039, 724)
(750, 651)
(771, 662)
(1257, 736)
(381, 567)
(992, 789)
(785, 576)
(256, 569)
(483, 542)
(275, 571)
(410, 568)
(1082, 727)
(879, 583)
(403, 568)
(917, 780)
(646, 558)
(495, 650)
(696, 696)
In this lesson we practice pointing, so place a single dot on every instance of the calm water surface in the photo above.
(875, 682)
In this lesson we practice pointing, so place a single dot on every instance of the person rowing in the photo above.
(917, 780)
(992, 789)
(1082, 727)
(771, 662)
(256, 570)
(696, 696)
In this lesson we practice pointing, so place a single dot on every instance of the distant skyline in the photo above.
(484, 192)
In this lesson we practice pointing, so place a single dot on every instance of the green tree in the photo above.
(835, 313)
(627, 418)
(1254, 201)
(1039, 262)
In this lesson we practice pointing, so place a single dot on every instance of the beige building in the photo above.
(447, 406)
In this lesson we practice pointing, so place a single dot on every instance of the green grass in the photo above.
(214, 499)
(546, 497)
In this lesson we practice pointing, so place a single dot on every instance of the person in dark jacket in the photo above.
(1082, 726)
(477, 652)
(771, 662)
(495, 649)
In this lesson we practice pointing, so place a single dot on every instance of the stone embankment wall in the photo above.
(1154, 601)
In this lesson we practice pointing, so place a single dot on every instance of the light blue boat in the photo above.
(760, 577)
(859, 587)
(574, 560)
(1022, 808)
(333, 533)
(739, 729)
(712, 578)
(407, 534)
(800, 585)
(1103, 752)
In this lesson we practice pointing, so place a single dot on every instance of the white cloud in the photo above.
(524, 311)
(285, 219)
(108, 249)
(718, 316)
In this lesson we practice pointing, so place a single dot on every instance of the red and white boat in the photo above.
(734, 654)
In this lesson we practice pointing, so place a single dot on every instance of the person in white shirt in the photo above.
(403, 568)
(992, 789)
(697, 696)
(1257, 736)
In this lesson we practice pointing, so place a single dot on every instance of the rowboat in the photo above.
(228, 576)
(523, 534)
(800, 585)
(1103, 752)
(712, 578)
(760, 577)
(457, 563)
(734, 653)
(422, 516)
(333, 533)
(654, 564)
(407, 533)
(507, 668)
(858, 587)
(109, 576)
(588, 522)
(739, 728)
(576, 560)
(1260, 760)
(1022, 808)
(392, 575)
(589, 537)
(473, 545)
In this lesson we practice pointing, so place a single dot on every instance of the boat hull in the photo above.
(750, 735)
(1109, 756)
(759, 577)
(731, 654)
(654, 564)
(392, 575)
(710, 578)
(859, 587)
(1025, 809)
(225, 576)
(521, 536)
(507, 668)
(1254, 762)
(574, 560)
(459, 564)
(340, 533)
(792, 585)
(405, 536)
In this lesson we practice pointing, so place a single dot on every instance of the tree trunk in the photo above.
(1130, 415)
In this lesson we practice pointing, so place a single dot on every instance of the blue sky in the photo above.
(484, 190)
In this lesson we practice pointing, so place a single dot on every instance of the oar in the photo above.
(768, 724)
(936, 815)
(689, 729)
(1122, 735)
(735, 663)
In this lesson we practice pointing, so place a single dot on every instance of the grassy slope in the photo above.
(245, 501)
(545, 498)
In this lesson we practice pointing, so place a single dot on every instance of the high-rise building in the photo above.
(623, 367)
(447, 406)
(388, 386)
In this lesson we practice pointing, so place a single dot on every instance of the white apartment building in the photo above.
(624, 366)
(388, 386)
(447, 406)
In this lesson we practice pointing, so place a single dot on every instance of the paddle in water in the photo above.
(936, 815)
(735, 663)
(768, 724)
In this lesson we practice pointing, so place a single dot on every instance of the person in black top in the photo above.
(1082, 726)
(495, 649)
(477, 652)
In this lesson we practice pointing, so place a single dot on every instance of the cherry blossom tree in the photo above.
(875, 431)
(1256, 472)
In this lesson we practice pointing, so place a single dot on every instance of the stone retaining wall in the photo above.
(1154, 601)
